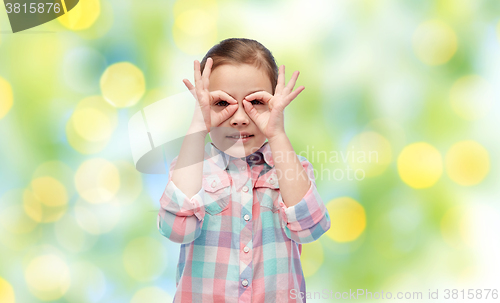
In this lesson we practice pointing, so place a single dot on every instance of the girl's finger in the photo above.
(250, 109)
(293, 95)
(197, 74)
(227, 112)
(281, 80)
(206, 72)
(221, 95)
(188, 84)
(291, 83)
(262, 96)
(190, 87)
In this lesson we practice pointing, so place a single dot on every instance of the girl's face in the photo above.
(238, 81)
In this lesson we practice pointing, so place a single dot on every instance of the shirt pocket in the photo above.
(217, 188)
(268, 192)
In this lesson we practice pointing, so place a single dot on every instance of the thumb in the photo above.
(250, 109)
(224, 114)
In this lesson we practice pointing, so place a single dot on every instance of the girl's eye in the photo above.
(222, 103)
(255, 102)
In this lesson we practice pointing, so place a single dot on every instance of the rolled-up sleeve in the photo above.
(307, 220)
(180, 219)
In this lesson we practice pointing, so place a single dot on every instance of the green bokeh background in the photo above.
(360, 64)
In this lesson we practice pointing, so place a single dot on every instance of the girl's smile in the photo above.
(243, 136)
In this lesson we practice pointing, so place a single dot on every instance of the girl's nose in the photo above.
(240, 117)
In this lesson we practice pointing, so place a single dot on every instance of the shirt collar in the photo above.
(221, 159)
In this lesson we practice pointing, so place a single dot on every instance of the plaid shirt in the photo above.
(240, 242)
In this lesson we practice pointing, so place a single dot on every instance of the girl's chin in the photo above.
(237, 150)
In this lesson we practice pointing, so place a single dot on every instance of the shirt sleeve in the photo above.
(307, 220)
(180, 219)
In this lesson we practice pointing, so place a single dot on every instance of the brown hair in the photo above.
(243, 51)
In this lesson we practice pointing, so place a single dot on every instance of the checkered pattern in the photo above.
(240, 242)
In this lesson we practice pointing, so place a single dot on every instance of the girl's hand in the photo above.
(204, 117)
(271, 122)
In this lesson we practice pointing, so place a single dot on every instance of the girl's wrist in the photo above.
(277, 137)
(195, 128)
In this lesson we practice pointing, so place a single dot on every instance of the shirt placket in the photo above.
(243, 183)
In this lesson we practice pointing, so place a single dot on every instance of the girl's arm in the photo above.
(304, 215)
(182, 209)
(181, 214)
(189, 169)
(188, 172)
(180, 218)
(293, 180)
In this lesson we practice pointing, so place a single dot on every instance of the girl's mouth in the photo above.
(242, 137)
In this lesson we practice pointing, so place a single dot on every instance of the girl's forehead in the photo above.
(238, 77)
(240, 67)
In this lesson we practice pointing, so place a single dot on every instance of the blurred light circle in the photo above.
(136, 256)
(97, 219)
(88, 283)
(97, 180)
(18, 242)
(123, 84)
(82, 16)
(92, 124)
(17, 228)
(151, 295)
(434, 42)
(47, 277)
(420, 165)
(472, 97)
(87, 135)
(46, 200)
(49, 191)
(58, 170)
(71, 236)
(389, 129)
(6, 97)
(82, 67)
(130, 182)
(102, 24)
(348, 219)
(6, 292)
(370, 152)
(194, 31)
(467, 163)
(81, 145)
(311, 257)
(456, 227)
(13, 217)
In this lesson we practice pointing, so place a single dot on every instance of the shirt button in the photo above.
(214, 184)
(272, 181)
(244, 282)
(246, 249)
(246, 217)
(245, 189)
(243, 168)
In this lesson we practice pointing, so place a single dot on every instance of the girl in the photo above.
(241, 206)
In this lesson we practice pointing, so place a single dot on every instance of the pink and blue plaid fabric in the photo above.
(240, 242)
